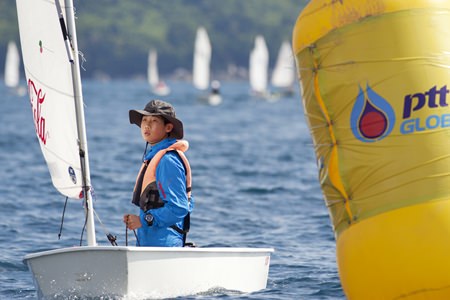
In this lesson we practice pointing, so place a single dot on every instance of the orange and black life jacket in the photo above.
(146, 193)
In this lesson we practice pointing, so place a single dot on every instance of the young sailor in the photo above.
(162, 189)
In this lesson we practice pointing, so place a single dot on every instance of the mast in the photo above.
(81, 127)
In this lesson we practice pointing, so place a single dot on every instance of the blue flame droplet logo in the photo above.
(372, 117)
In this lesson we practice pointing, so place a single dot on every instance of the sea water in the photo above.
(254, 181)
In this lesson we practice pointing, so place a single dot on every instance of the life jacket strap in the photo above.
(138, 186)
(179, 230)
(186, 226)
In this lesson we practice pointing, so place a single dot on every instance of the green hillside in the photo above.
(115, 36)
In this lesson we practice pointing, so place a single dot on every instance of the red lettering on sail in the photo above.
(37, 98)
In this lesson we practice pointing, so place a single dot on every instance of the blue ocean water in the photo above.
(254, 180)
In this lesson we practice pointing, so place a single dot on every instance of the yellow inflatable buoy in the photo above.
(375, 83)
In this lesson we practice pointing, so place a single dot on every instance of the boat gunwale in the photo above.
(217, 250)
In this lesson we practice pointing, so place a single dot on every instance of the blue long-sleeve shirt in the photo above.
(171, 183)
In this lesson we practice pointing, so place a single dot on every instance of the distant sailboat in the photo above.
(283, 75)
(157, 86)
(12, 69)
(201, 66)
(202, 59)
(258, 68)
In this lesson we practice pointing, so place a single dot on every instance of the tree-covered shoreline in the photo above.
(115, 36)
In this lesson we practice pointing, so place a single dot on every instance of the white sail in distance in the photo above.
(12, 66)
(283, 75)
(258, 65)
(51, 92)
(202, 60)
(152, 71)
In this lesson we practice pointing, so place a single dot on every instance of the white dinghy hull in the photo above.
(147, 272)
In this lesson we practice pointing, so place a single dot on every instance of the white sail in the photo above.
(54, 87)
(258, 66)
(202, 59)
(50, 88)
(152, 71)
(12, 66)
(158, 87)
(283, 75)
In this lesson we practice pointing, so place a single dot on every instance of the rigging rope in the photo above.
(112, 239)
(84, 226)
(62, 219)
(126, 236)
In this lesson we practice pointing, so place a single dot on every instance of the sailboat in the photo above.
(50, 55)
(12, 69)
(258, 68)
(158, 87)
(202, 65)
(283, 75)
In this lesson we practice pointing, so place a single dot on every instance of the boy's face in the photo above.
(153, 129)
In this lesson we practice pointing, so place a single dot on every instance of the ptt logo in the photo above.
(432, 99)
(372, 117)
